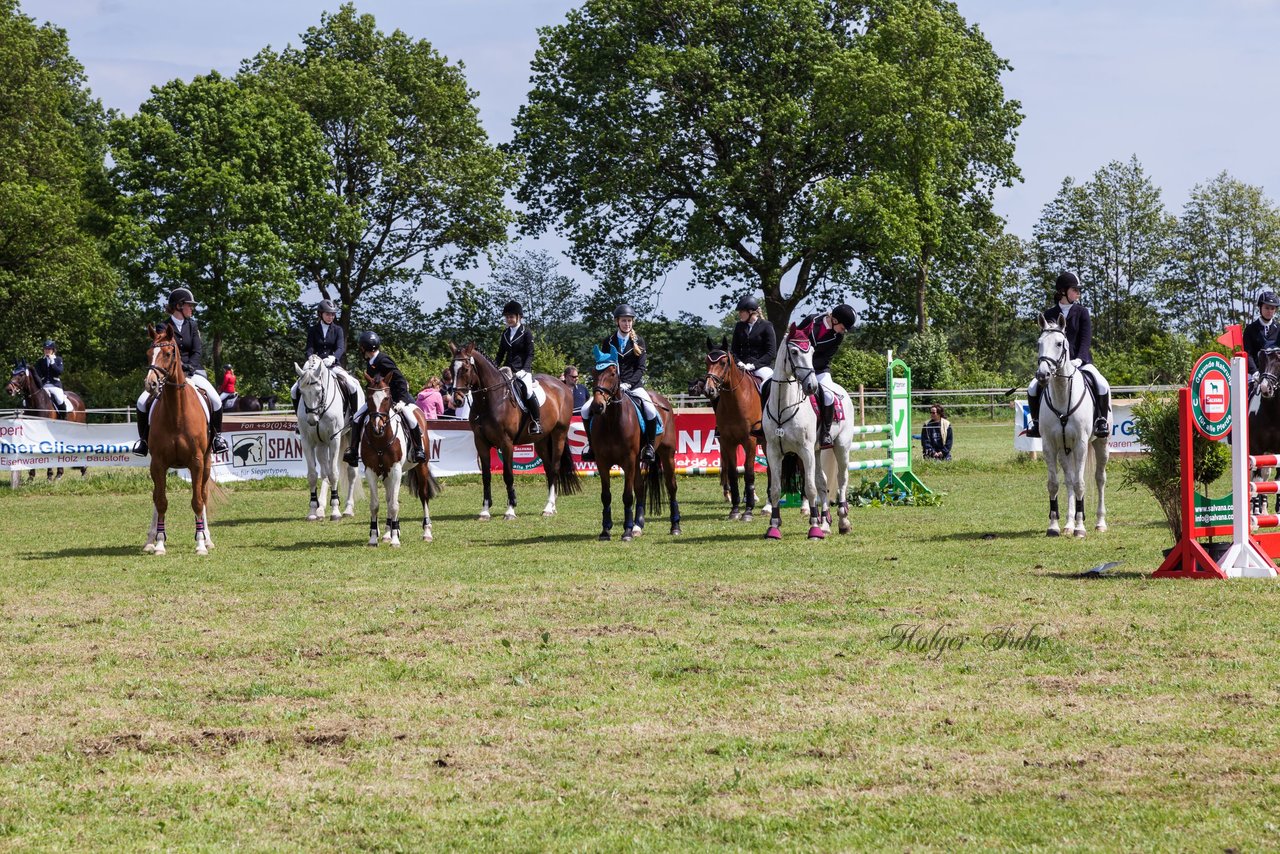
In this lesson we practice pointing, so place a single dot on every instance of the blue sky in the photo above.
(1186, 85)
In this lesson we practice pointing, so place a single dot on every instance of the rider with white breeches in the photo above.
(515, 352)
(1079, 331)
(826, 331)
(48, 370)
(379, 364)
(186, 332)
(326, 339)
(631, 363)
(754, 346)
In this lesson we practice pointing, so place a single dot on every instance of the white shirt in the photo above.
(1066, 309)
(178, 320)
(324, 329)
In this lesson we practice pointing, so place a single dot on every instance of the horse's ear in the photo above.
(298, 369)
(724, 342)
(1062, 322)
(368, 378)
(151, 331)
(711, 345)
(453, 348)
(1042, 320)
(791, 330)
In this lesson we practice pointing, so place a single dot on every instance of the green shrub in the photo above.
(930, 360)
(851, 368)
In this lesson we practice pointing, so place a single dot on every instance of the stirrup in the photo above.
(535, 427)
(1101, 429)
(219, 444)
(1033, 429)
(419, 455)
(824, 441)
(648, 454)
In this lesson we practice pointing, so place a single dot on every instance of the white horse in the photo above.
(1066, 429)
(325, 434)
(834, 466)
(791, 432)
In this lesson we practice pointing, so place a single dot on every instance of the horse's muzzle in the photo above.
(810, 385)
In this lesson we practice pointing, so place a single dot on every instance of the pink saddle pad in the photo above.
(839, 416)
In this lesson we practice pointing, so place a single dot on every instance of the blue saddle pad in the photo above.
(635, 401)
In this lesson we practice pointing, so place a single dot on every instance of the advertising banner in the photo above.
(1123, 438)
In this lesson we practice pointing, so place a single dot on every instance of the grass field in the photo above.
(518, 686)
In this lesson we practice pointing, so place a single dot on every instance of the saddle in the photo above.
(638, 403)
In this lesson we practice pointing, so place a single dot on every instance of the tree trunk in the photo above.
(778, 309)
(216, 367)
(922, 290)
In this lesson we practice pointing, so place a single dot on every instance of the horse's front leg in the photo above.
(509, 479)
(393, 506)
(373, 506)
(58, 476)
(749, 478)
(628, 501)
(486, 481)
(1077, 461)
(1051, 461)
(673, 506)
(842, 489)
(820, 479)
(812, 477)
(426, 506)
(729, 463)
(775, 455)
(309, 454)
(606, 503)
(160, 499)
(333, 477)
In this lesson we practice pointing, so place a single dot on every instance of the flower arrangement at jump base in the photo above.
(876, 493)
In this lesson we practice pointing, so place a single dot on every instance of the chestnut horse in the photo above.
(37, 403)
(615, 435)
(732, 392)
(179, 438)
(382, 448)
(497, 422)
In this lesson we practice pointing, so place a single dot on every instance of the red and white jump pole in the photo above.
(1245, 558)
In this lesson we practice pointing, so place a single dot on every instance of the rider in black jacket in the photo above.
(632, 355)
(48, 371)
(326, 339)
(380, 364)
(1263, 333)
(754, 345)
(515, 352)
(1079, 331)
(826, 331)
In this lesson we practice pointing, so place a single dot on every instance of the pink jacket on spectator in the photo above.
(430, 402)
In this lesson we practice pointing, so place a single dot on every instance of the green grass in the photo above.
(517, 686)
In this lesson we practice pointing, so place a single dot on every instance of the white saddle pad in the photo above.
(204, 404)
(538, 392)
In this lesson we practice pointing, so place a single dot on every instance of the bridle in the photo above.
(610, 394)
(164, 374)
(728, 378)
(1266, 378)
(328, 385)
(470, 361)
(794, 408)
(20, 382)
(1059, 365)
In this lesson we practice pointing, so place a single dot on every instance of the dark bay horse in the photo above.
(497, 422)
(37, 403)
(732, 392)
(1264, 416)
(615, 436)
(382, 448)
(179, 438)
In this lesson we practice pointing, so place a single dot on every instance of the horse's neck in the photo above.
(1061, 384)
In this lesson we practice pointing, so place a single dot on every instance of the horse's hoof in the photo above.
(1079, 533)
(1053, 532)
(774, 533)
(735, 516)
(1101, 527)
(637, 531)
(348, 513)
(335, 517)
(484, 517)
(312, 517)
(159, 549)
(149, 548)
(507, 517)
(627, 537)
(202, 551)
(426, 536)
(816, 532)
(604, 537)
(675, 531)
(747, 517)
(373, 542)
(547, 514)
(395, 544)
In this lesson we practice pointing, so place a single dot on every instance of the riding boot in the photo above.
(217, 444)
(419, 447)
(144, 428)
(1033, 415)
(758, 432)
(826, 414)
(535, 411)
(647, 452)
(352, 455)
(1102, 421)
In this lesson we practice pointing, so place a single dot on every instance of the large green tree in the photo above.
(53, 278)
(420, 188)
(1113, 232)
(1226, 248)
(771, 144)
(223, 189)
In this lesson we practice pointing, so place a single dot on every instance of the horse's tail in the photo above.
(567, 480)
(423, 484)
(655, 485)
(792, 473)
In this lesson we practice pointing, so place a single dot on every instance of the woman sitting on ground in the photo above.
(936, 435)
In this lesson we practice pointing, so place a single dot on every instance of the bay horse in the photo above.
(791, 433)
(382, 448)
(615, 434)
(179, 438)
(497, 422)
(38, 403)
(324, 430)
(732, 392)
(1066, 429)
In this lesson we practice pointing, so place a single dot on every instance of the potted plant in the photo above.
(1157, 425)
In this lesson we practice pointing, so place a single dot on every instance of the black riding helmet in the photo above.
(50, 344)
(1065, 282)
(1268, 297)
(622, 311)
(369, 341)
(181, 296)
(513, 307)
(748, 303)
(326, 305)
(845, 315)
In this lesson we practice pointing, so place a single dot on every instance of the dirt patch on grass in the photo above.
(209, 741)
